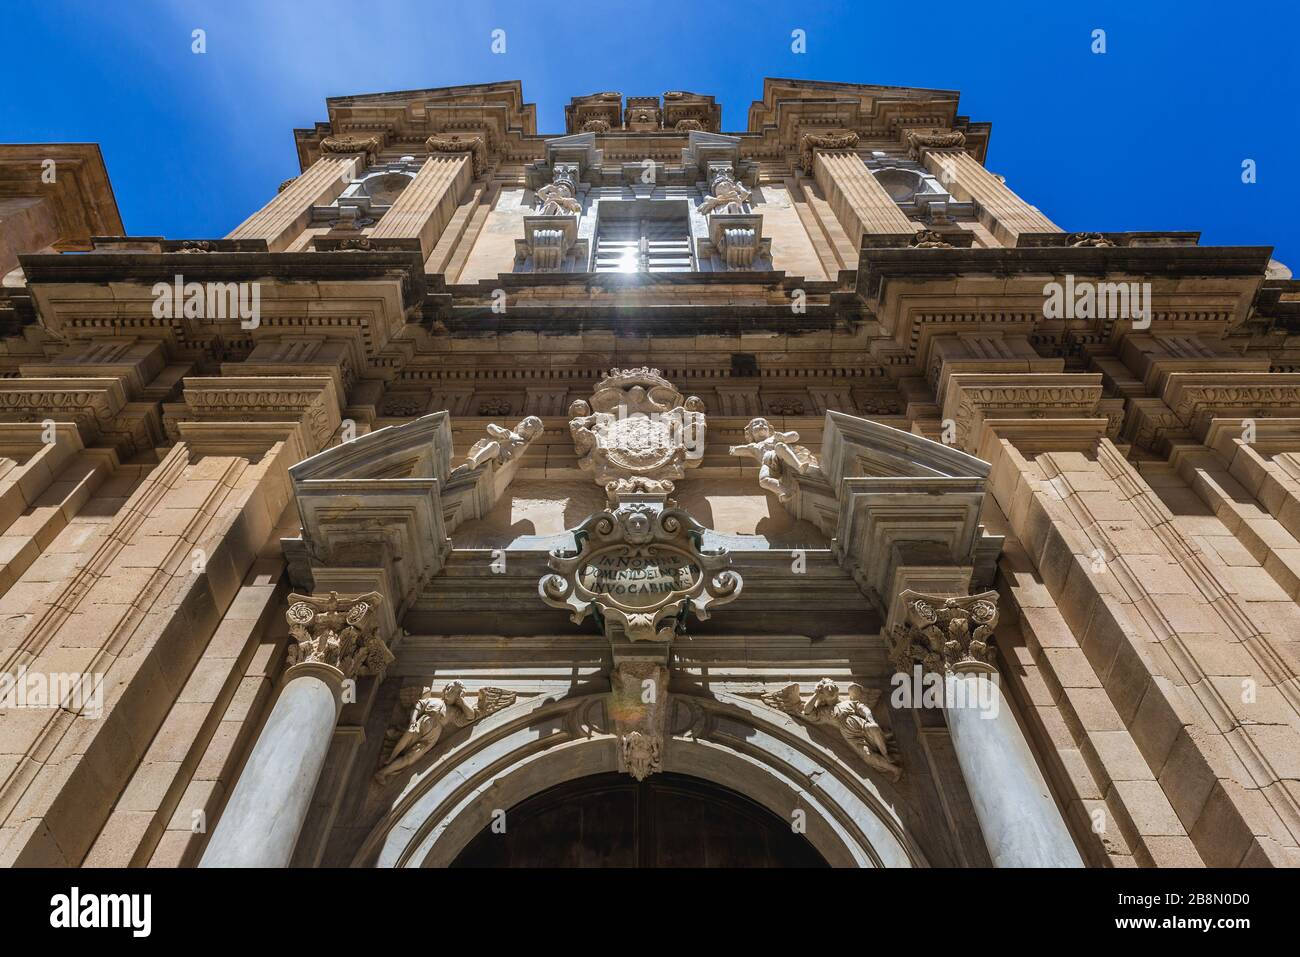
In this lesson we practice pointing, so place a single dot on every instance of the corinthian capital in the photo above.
(810, 143)
(473, 145)
(351, 143)
(944, 633)
(920, 140)
(338, 631)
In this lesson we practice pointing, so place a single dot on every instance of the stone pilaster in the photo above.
(284, 218)
(860, 203)
(424, 208)
(1003, 212)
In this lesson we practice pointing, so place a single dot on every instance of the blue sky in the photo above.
(1149, 135)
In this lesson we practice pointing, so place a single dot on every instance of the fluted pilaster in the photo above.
(284, 218)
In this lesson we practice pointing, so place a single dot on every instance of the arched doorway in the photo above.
(667, 820)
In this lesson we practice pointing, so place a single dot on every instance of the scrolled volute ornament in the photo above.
(640, 568)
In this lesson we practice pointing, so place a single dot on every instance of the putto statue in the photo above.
(559, 197)
(778, 457)
(728, 197)
(431, 715)
(856, 724)
(637, 425)
(501, 443)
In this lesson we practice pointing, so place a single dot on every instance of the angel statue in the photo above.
(856, 724)
(778, 457)
(431, 714)
(586, 428)
(502, 443)
(728, 195)
(556, 199)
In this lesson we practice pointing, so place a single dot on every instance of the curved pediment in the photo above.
(852, 446)
(416, 449)
(894, 500)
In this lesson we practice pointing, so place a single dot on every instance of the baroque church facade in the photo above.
(643, 494)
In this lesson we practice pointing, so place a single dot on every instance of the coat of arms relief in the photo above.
(637, 426)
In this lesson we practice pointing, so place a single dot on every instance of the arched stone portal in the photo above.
(612, 820)
(538, 744)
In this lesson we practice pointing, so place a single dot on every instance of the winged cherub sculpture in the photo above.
(778, 457)
(853, 717)
(501, 443)
(433, 713)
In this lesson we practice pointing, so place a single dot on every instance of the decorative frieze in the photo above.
(972, 399)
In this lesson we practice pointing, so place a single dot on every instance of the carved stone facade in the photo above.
(481, 461)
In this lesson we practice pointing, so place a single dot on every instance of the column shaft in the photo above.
(1006, 214)
(424, 208)
(284, 218)
(266, 811)
(1020, 822)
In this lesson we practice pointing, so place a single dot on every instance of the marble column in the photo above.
(946, 636)
(334, 639)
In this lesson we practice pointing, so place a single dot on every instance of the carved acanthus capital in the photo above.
(595, 126)
(812, 142)
(929, 239)
(919, 140)
(1081, 240)
(945, 633)
(473, 145)
(338, 631)
(349, 143)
